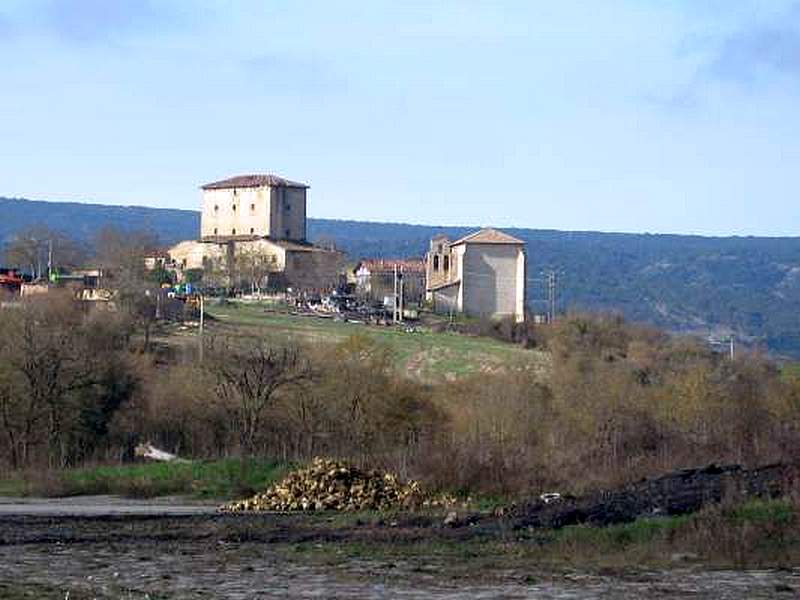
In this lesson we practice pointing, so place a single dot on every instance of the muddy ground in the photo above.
(207, 555)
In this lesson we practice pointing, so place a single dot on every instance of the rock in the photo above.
(451, 520)
(683, 557)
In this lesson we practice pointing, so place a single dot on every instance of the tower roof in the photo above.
(249, 181)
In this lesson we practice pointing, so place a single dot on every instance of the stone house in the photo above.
(481, 275)
(254, 205)
(254, 226)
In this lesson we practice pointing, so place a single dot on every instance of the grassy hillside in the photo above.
(423, 355)
(749, 285)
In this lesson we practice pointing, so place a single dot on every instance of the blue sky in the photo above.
(660, 116)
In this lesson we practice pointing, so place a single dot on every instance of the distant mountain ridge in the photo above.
(750, 285)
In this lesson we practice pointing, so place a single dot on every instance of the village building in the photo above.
(10, 283)
(253, 227)
(482, 275)
(266, 206)
(375, 279)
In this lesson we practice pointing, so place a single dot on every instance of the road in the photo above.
(104, 506)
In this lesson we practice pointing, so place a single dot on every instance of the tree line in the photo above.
(616, 403)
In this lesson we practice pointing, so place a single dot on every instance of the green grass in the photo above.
(424, 354)
(759, 533)
(615, 538)
(791, 370)
(763, 511)
(221, 479)
(13, 486)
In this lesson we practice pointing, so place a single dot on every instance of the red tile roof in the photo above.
(488, 236)
(247, 181)
(381, 264)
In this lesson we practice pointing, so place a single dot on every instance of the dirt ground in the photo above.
(168, 555)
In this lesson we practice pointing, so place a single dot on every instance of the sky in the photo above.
(661, 116)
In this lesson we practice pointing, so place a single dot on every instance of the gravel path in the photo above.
(100, 506)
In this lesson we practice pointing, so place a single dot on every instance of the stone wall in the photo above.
(491, 280)
(313, 269)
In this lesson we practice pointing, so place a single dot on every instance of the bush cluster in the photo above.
(618, 402)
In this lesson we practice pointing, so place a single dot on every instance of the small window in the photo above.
(234, 208)
(288, 233)
(252, 208)
(233, 231)
(436, 263)
(252, 231)
(446, 263)
(274, 259)
(216, 208)
(235, 192)
(215, 231)
(287, 206)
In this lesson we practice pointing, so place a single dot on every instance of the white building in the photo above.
(482, 275)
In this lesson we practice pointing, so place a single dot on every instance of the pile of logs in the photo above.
(333, 485)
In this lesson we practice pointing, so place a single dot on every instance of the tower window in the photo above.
(288, 233)
(216, 208)
(436, 263)
(233, 231)
(215, 231)
(234, 208)
(446, 263)
(252, 231)
(252, 208)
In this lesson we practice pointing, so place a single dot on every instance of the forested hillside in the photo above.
(682, 283)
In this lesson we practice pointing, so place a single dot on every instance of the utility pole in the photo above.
(158, 304)
(551, 296)
(402, 294)
(394, 298)
(49, 260)
(202, 313)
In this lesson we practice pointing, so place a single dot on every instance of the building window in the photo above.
(252, 208)
(435, 262)
(233, 231)
(252, 231)
(234, 208)
(287, 206)
(216, 208)
(288, 233)
(274, 259)
(215, 231)
(446, 263)
(235, 192)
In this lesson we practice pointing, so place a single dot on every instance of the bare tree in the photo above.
(253, 267)
(33, 248)
(249, 375)
(52, 355)
(121, 255)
